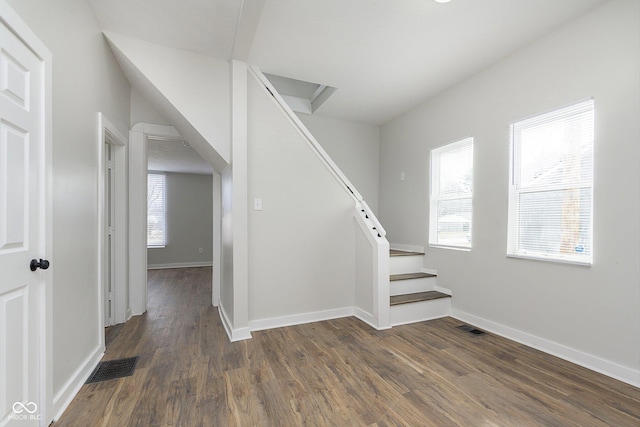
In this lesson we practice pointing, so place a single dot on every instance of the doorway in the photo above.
(143, 134)
(112, 229)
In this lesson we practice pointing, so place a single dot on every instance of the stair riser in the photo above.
(420, 311)
(405, 264)
(412, 286)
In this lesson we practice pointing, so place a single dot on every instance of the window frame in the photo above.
(513, 228)
(164, 211)
(435, 197)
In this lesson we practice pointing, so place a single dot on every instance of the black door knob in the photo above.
(35, 264)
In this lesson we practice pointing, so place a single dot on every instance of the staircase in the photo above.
(414, 294)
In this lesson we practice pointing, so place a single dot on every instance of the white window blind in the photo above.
(551, 188)
(451, 195)
(156, 221)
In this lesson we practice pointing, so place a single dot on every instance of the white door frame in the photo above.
(138, 136)
(109, 134)
(13, 21)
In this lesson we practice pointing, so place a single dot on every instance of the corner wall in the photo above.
(587, 314)
(86, 80)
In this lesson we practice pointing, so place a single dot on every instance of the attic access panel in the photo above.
(301, 96)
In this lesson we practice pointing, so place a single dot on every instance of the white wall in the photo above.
(590, 312)
(86, 80)
(189, 89)
(189, 222)
(354, 147)
(302, 244)
(143, 112)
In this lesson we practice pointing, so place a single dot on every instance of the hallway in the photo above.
(333, 373)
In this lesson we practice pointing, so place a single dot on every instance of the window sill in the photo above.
(156, 247)
(455, 248)
(549, 259)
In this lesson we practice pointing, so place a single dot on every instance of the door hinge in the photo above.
(110, 231)
(110, 296)
(109, 164)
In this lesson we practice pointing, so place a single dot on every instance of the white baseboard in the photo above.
(299, 319)
(180, 265)
(605, 367)
(237, 334)
(368, 318)
(410, 248)
(70, 389)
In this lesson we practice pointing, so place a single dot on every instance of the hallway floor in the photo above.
(334, 373)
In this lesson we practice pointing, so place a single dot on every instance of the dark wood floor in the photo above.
(334, 373)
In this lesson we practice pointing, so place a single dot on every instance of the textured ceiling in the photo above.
(384, 56)
(175, 156)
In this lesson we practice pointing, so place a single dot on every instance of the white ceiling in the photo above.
(175, 156)
(384, 56)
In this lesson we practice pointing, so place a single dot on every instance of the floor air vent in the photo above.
(112, 369)
(471, 329)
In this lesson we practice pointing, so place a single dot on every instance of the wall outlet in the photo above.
(199, 250)
(257, 204)
(402, 176)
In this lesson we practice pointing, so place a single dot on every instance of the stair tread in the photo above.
(417, 297)
(407, 276)
(398, 252)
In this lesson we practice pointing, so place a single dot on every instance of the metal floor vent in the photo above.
(471, 329)
(112, 369)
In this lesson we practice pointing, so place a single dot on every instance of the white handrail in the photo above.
(315, 145)
(378, 227)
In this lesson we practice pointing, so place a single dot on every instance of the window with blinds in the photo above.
(451, 195)
(551, 188)
(156, 221)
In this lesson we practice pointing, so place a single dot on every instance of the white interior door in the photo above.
(22, 231)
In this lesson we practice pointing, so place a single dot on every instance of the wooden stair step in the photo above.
(417, 297)
(408, 276)
(398, 252)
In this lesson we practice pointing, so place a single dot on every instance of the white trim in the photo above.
(137, 220)
(408, 248)
(595, 363)
(71, 388)
(107, 133)
(180, 265)
(299, 319)
(234, 335)
(444, 290)
(550, 259)
(368, 318)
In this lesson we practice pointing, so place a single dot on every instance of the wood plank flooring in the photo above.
(334, 373)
